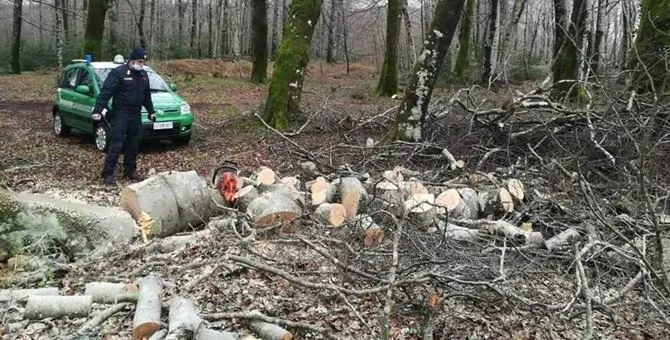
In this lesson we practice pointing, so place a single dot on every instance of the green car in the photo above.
(79, 87)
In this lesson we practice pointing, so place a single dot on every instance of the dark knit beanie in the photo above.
(138, 53)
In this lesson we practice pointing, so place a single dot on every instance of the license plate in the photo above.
(162, 125)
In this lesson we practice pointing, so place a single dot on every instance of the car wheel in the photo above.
(60, 129)
(182, 140)
(103, 137)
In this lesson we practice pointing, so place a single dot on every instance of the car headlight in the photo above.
(185, 109)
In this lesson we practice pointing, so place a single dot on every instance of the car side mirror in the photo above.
(83, 89)
(173, 87)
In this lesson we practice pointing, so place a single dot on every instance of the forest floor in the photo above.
(512, 295)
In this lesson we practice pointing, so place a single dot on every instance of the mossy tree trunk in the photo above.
(289, 70)
(411, 116)
(16, 37)
(489, 38)
(653, 47)
(95, 27)
(463, 59)
(259, 22)
(567, 63)
(388, 80)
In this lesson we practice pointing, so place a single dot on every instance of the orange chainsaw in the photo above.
(225, 180)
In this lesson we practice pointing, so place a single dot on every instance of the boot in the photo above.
(135, 177)
(109, 180)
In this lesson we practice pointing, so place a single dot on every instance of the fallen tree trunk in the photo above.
(20, 294)
(107, 292)
(245, 195)
(496, 201)
(56, 306)
(174, 199)
(204, 333)
(373, 235)
(268, 331)
(148, 308)
(272, 208)
(458, 233)
(562, 239)
(82, 227)
(332, 214)
(352, 193)
(459, 203)
(497, 227)
(322, 191)
(421, 209)
(264, 176)
(175, 242)
(183, 319)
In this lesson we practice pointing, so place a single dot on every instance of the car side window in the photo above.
(70, 79)
(85, 78)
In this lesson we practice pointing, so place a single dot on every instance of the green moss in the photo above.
(653, 43)
(285, 90)
(388, 80)
(463, 59)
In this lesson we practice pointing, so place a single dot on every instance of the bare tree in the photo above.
(285, 88)
(260, 42)
(489, 38)
(653, 47)
(408, 124)
(568, 63)
(388, 80)
(16, 37)
(95, 27)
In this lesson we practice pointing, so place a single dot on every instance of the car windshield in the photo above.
(155, 81)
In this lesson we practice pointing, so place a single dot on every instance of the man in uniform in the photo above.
(128, 84)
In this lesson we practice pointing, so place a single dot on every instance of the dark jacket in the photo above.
(129, 88)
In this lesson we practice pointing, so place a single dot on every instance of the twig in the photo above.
(268, 319)
(308, 284)
(339, 263)
(586, 292)
(99, 319)
(386, 316)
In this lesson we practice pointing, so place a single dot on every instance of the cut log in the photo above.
(148, 308)
(322, 191)
(291, 181)
(55, 306)
(515, 188)
(459, 233)
(20, 294)
(289, 191)
(535, 239)
(268, 331)
(389, 193)
(406, 172)
(372, 233)
(421, 209)
(176, 242)
(272, 208)
(183, 319)
(393, 176)
(107, 292)
(205, 333)
(332, 214)
(495, 201)
(175, 200)
(81, 227)
(510, 231)
(459, 203)
(413, 187)
(245, 195)
(264, 176)
(562, 239)
(159, 335)
(352, 193)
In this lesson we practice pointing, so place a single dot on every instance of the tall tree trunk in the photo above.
(285, 88)
(210, 35)
(560, 25)
(64, 15)
(600, 34)
(140, 24)
(388, 80)
(332, 24)
(410, 36)
(225, 49)
(410, 120)
(567, 64)
(462, 66)
(181, 13)
(510, 30)
(16, 37)
(653, 47)
(113, 13)
(59, 32)
(95, 27)
(152, 23)
(194, 27)
(260, 42)
(488, 41)
(275, 29)
(345, 33)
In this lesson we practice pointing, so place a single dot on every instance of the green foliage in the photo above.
(525, 67)
(653, 46)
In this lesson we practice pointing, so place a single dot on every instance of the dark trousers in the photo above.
(126, 135)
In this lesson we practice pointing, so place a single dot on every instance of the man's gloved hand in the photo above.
(152, 117)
